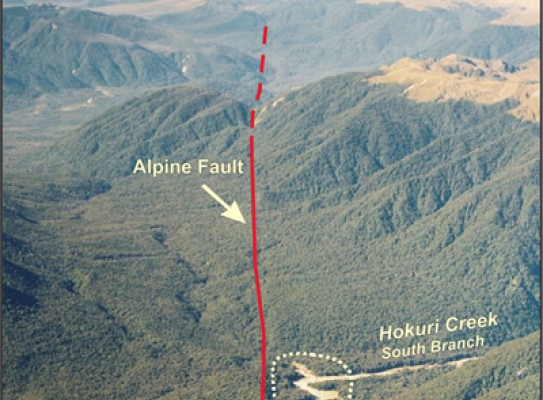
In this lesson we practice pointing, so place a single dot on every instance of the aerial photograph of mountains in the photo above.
(281, 199)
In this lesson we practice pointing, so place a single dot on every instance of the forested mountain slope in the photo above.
(48, 48)
(374, 209)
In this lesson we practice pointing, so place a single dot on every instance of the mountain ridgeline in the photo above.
(49, 48)
(179, 123)
(312, 40)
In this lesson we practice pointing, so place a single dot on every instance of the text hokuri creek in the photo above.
(452, 324)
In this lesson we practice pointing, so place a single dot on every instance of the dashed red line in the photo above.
(262, 67)
(262, 62)
(264, 35)
(253, 112)
(258, 91)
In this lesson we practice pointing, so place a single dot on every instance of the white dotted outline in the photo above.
(292, 354)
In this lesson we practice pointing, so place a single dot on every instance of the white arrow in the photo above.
(233, 212)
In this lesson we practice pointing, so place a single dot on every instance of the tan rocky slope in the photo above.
(456, 77)
(515, 12)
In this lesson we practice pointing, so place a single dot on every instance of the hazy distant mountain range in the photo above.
(48, 48)
(78, 48)
(511, 12)
(323, 38)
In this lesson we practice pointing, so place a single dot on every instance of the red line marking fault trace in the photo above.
(264, 35)
(255, 267)
(253, 112)
(258, 91)
(253, 220)
(262, 62)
